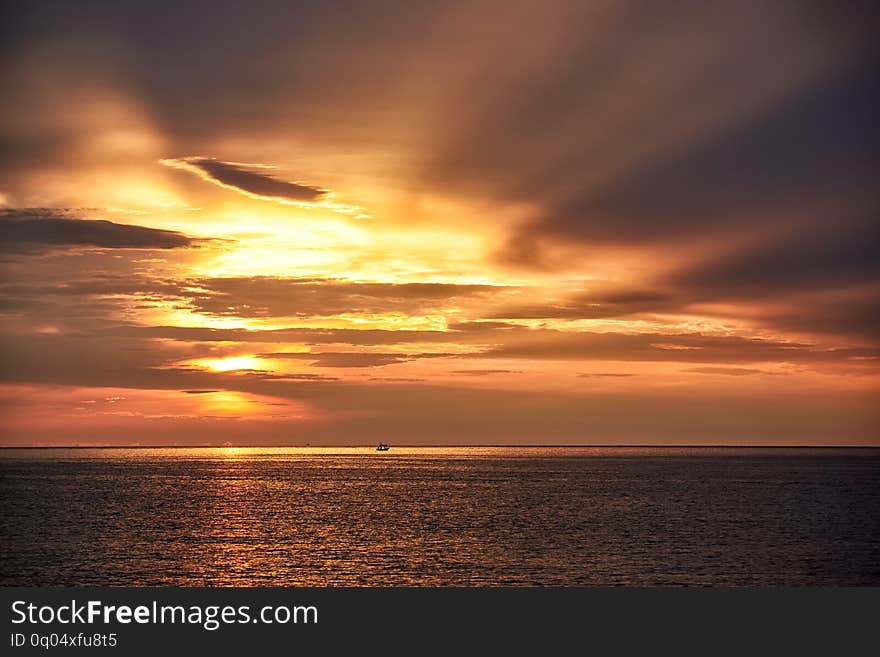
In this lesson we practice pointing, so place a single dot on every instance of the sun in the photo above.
(232, 363)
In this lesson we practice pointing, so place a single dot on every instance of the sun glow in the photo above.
(232, 363)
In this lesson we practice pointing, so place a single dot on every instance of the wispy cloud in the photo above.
(353, 359)
(258, 181)
(487, 372)
(254, 180)
(726, 371)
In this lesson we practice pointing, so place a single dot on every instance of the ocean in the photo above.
(463, 516)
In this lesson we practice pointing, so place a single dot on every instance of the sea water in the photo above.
(440, 516)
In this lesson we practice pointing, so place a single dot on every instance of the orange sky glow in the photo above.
(578, 225)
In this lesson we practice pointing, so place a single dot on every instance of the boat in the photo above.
(382, 447)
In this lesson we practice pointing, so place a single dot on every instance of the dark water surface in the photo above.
(440, 516)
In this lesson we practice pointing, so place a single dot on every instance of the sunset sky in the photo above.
(439, 223)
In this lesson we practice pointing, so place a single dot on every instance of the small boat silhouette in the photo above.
(382, 447)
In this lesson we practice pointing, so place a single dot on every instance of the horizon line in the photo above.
(430, 445)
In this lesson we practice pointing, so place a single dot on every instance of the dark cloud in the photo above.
(654, 347)
(249, 179)
(199, 392)
(820, 143)
(65, 290)
(810, 279)
(23, 232)
(841, 314)
(287, 297)
(631, 297)
(277, 62)
(595, 305)
(97, 285)
(817, 257)
(87, 360)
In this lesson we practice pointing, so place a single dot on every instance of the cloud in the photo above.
(844, 314)
(804, 278)
(64, 286)
(265, 376)
(804, 257)
(29, 231)
(399, 411)
(537, 344)
(682, 347)
(266, 296)
(817, 144)
(484, 372)
(594, 305)
(100, 284)
(353, 359)
(807, 279)
(590, 375)
(729, 371)
(362, 337)
(479, 327)
(249, 179)
(396, 379)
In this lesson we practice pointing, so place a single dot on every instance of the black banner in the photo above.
(549, 621)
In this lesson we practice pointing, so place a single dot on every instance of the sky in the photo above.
(289, 223)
